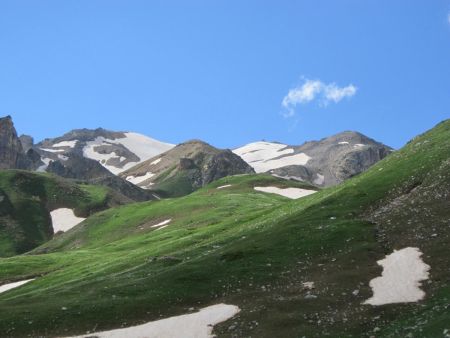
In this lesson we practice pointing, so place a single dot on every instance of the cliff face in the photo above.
(12, 155)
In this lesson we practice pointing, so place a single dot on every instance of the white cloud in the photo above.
(315, 89)
(336, 94)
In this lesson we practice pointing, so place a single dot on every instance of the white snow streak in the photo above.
(6, 287)
(292, 193)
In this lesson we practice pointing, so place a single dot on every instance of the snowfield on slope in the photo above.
(265, 156)
(6, 287)
(195, 325)
(64, 219)
(292, 193)
(163, 224)
(400, 281)
(139, 179)
(142, 146)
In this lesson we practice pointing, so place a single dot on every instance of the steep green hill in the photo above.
(254, 250)
(26, 199)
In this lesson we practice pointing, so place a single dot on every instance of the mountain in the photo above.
(12, 153)
(324, 163)
(116, 151)
(302, 267)
(27, 198)
(185, 168)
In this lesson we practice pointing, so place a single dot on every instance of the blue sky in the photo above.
(228, 72)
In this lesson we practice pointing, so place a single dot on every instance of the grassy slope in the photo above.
(246, 248)
(27, 199)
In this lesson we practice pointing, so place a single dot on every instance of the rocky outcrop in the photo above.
(12, 153)
(185, 168)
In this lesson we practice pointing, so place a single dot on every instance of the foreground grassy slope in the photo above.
(26, 199)
(254, 250)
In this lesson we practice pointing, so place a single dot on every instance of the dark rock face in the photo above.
(84, 169)
(11, 152)
(78, 167)
(27, 142)
(223, 164)
(12, 155)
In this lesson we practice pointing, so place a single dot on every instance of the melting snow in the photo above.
(224, 186)
(163, 224)
(156, 161)
(265, 156)
(139, 179)
(53, 150)
(194, 325)
(319, 179)
(6, 287)
(43, 167)
(142, 146)
(70, 144)
(292, 193)
(64, 219)
(403, 270)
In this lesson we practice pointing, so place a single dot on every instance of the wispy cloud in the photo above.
(312, 90)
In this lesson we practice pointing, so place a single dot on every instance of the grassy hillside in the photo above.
(26, 199)
(254, 250)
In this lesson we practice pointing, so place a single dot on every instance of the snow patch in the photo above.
(139, 179)
(162, 225)
(194, 325)
(6, 287)
(292, 193)
(156, 161)
(319, 179)
(64, 219)
(265, 156)
(43, 167)
(52, 150)
(70, 144)
(142, 146)
(224, 186)
(403, 270)
(343, 142)
(359, 145)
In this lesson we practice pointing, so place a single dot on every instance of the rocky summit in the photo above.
(185, 168)
(324, 163)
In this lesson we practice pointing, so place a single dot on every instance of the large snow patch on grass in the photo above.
(194, 325)
(6, 287)
(403, 270)
(292, 193)
(64, 219)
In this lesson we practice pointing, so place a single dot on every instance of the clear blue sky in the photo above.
(219, 70)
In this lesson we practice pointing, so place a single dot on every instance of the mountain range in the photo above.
(341, 237)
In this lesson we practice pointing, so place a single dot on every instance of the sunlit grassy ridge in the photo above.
(247, 248)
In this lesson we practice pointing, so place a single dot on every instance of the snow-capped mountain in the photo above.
(324, 163)
(116, 151)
